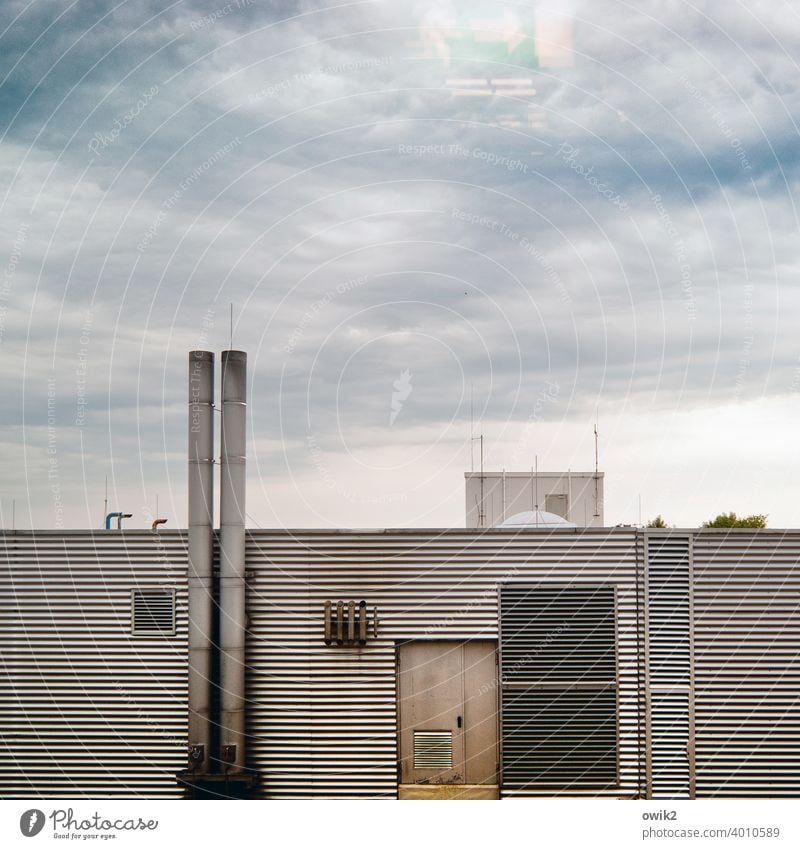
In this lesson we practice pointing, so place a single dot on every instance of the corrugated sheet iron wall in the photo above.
(323, 720)
(86, 708)
(747, 663)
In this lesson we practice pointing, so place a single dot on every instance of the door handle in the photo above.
(458, 721)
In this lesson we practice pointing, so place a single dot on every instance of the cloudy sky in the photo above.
(544, 212)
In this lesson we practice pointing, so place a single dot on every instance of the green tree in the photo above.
(731, 520)
(658, 522)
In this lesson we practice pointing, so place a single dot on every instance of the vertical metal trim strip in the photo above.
(641, 744)
(499, 689)
(648, 708)
(397, 719)
(690, 746)
(617, 682)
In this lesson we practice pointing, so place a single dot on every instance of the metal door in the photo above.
(448, 712)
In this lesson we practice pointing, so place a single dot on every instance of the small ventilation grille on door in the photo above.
(153, 612)
(433, 750)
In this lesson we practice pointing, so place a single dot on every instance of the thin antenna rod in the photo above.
(105, 506)
(13, 514)
(472, 440)
(596, 471)
(231, 348)
(471, 427)
(483, 504)
(532, 503)
(568, 517)
(536, 484)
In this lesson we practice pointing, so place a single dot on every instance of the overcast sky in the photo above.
(562, 210)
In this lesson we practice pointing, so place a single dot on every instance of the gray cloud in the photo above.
(629, 232)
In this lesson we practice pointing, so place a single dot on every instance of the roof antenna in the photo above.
(472, 440)
(231, 348)
(596, 471)
(532, 505)
(471, 427)
(482, 514)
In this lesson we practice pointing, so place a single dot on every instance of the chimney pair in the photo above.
(228, 657)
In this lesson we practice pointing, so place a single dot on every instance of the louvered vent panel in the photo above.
(668, 610)
(557, 635)
(668, 602)
(559, 710)
(565, 738)
(670, 735)
(153, 612)
(433, 750)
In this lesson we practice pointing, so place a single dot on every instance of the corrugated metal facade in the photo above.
(86, 708)
(323, 719)
(747, 663)
(89, 709)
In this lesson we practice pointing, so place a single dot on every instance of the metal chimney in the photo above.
(232, 553)
(201, 553)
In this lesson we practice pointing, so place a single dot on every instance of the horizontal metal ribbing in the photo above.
(670, 735)
(87, 708)
(747, 655)
(323, 720)
(566, 739)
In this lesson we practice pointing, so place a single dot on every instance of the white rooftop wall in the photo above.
(576, 496)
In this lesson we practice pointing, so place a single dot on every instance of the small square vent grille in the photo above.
(433, 750)
(153, 612)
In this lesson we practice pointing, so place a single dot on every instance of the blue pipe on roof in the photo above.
(119, 517)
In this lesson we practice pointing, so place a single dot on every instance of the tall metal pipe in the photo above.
(232, 552)
(201, 553)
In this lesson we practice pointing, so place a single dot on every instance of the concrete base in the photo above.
(448, 791)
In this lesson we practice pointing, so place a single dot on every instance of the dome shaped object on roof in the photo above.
(536, 519)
